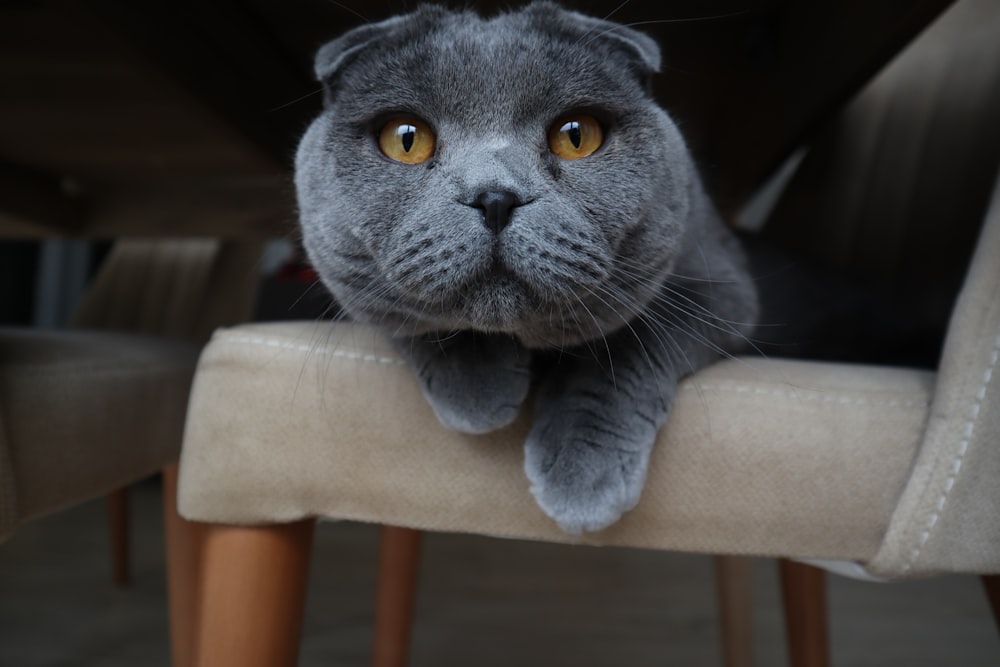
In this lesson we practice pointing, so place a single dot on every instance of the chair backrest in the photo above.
(896, 193)
(893, 192)
(182, 289)
(948, 517)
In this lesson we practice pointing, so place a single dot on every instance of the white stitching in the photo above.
(956, 467)
(842, 399)
(286, 345)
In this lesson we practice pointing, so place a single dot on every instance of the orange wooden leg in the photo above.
(183, 544)
(117, 510)
(398, 567)
(735, 585)
(804, 593)
(253, 591)
(991, 585)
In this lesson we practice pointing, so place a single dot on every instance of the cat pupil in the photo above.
(575, 136)
(407, 133)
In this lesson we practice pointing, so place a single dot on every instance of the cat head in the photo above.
(507, 174)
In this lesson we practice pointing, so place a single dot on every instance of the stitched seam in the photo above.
(968, 429)
(299, 347)
(840, 399)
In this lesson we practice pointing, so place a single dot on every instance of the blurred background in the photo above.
(165, 120)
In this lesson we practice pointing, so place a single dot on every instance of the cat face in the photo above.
(509, 174)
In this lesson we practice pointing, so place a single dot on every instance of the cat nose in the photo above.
(496, 206)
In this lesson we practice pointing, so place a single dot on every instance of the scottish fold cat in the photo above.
(506, 198)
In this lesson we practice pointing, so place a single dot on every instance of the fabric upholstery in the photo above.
(895, 467)
(83, 413)
(758, 457)
(177, 288)
(949, 515)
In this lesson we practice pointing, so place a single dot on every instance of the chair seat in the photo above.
(82, 413)
(293, 420)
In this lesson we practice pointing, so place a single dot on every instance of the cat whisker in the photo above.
(318, 91)
(349, 10)
(616, 9)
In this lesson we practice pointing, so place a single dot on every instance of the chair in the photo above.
(181, 289)
(888, 467)
(85, 412)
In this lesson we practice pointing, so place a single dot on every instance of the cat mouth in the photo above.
(498, 299)
(498, 268)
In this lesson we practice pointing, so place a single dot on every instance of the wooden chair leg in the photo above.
(253, 592)
(804, 594)
(118, 535)
(183, 555)
(991, 585)
(733, 578)
(395, 596)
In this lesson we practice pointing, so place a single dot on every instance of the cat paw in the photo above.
(582, 482)
(474, 385)
(477, 404)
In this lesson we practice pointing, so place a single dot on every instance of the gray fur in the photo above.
(616, 277)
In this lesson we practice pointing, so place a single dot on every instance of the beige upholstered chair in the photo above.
(890, 470)
(85, 412)
(181, 289)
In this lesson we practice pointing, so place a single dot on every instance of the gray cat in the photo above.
(506, 198)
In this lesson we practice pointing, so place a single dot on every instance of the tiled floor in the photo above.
(482, 602)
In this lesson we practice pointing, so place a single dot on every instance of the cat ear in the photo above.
(640, 47)
(334, 55)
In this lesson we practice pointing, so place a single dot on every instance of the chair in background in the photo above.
(84, 412)
(181, 289)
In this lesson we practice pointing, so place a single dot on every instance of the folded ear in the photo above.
(334, 56)
(641, 49)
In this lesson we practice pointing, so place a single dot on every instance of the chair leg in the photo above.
(253, 592)
(735, 588)
(118, 535)
(395, 595)
(804, 594)
(991, 584)
(183, 555)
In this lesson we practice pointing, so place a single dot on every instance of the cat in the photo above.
(505, 197)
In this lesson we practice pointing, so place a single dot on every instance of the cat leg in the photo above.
(595, 424)
(599, 412)
(475, 382)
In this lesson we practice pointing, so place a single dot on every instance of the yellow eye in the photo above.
(574, 137)
(407, 140)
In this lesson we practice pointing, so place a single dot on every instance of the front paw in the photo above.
(474, 383)
(583, 475)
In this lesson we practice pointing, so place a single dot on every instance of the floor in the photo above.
(483, 602)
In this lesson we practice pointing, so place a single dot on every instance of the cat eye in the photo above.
(575, 137)
(407, 140)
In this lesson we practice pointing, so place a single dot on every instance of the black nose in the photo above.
(496, 206)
